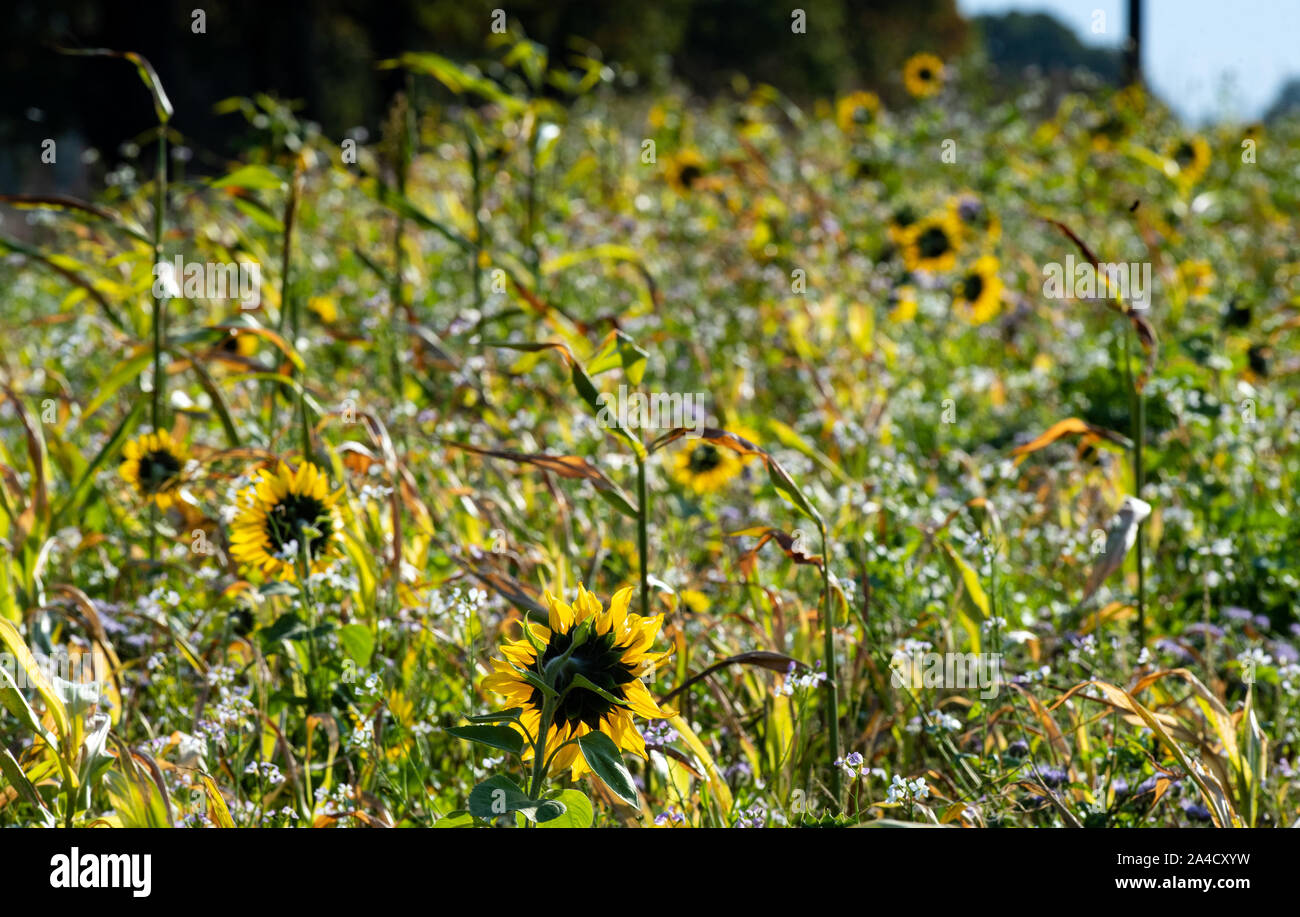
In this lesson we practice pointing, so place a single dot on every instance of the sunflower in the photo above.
(324, 308)
(1192, 156)
(685, 171)
(237, 346)
(931, 244)
(979, 292)
(153, 464)
(901, 222)
(1106, 131)
(1197, 277)
(613, 655)
(904, 304)
(856, 111)
(706, 466)
(923, 75)
(279, 510)
(1132, 99)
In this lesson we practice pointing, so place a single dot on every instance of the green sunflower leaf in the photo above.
(499, 795)
(279, 587)
(499, 716)
(604, 758)
(534, 680)
(578, 812)
(502, 737)
(549, 811)
(457, 819)
(582, 681)
(358, 642)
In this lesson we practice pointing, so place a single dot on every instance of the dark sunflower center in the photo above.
(600, 662)
(1184, 155)
(925, 73)
(690, 175)
(705, 457)
(972, 287)
(933, 242)
(229, 344)
(286, 520)
(157, 469)
(904, 217)
(862, 115)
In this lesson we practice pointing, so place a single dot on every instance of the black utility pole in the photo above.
(1133, 47)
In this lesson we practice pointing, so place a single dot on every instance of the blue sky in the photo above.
(1208, 59)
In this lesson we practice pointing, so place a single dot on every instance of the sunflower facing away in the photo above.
(705, 467)
(857, 111)
(931, 244)
(275, 513)
(979, 292)
(153, 464)
(923, 75)
(614, 657)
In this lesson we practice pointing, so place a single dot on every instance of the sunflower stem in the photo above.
(539, 748)
(304, 572)
(642, 535)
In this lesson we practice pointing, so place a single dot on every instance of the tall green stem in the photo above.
(534, 256)
(157, 415)
(1139, 415)
(476, 202)
(832, 669)
(290, 303)
(159, 310)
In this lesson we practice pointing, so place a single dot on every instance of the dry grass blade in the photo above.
(776, 662)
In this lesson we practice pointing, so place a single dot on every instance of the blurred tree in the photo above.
(1287, 101)
(324, 51)
(1015, 41)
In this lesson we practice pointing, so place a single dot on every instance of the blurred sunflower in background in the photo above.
(923, 75)
(685, 170)
(613, 654)
(1197, 277)
(931, 244)
(1192, 156)
(706, 467)
(279, 514)
(857, 111)
(903, 301)
(153, 465)
(979, 292)
(901, 222)
(236, 347)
